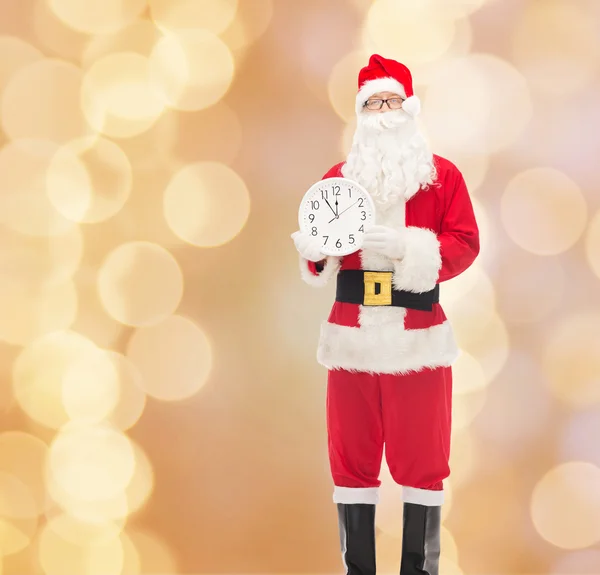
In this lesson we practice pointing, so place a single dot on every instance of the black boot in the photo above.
(357, 537)
(421, 540)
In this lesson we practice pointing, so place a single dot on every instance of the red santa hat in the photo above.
(383, 75)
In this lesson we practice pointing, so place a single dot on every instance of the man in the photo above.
(389, 376)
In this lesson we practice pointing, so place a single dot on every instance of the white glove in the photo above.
(386, 241)
(308, 247)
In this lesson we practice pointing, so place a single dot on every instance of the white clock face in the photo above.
(338, 211)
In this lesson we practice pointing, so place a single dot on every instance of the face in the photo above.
(394, 102)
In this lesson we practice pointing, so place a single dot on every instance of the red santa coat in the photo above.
(442, 241)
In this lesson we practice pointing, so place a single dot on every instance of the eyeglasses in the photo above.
(393, 104)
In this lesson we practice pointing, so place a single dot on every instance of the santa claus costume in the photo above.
(389, 362)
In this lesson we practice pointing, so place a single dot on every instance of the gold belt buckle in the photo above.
(384, 281)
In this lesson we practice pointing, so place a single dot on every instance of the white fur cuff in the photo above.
(332, 265)
(350, 495)
(423, 496)
(418, 270)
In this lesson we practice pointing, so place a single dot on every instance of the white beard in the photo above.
(390, 158)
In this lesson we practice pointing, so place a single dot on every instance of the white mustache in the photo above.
(384, 120)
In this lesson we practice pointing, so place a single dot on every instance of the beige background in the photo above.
(162, 409)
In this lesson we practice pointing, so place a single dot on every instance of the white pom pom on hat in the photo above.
(384, 75)
(412, 106)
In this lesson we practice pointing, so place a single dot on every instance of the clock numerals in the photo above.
(328, 210)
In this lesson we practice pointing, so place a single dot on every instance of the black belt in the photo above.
(375, 289)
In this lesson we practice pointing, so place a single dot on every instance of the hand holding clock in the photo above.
(308, 247)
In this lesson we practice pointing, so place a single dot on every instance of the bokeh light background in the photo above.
(162, 408)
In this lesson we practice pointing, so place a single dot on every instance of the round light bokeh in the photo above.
(592, 244)
(80, 532)
(463, 456)
(118, 97)
(15, 54)
(525, 295)
(250, 23)
(190, 138)
(342, 85)
(153, 553)
(39, 372)
(24, 204)
(578, 440)
(54, 35)
(174, 358)
(543, 211)
(93, 321)
(140, 283)
(206, 204)
(131, 400)
(565, 505)
(192, 69)
(571, 361)
(460, 9)
(23, 456)
(89, 180)
(97, 16)
(58, 555)
(139, 37)
(90, 387)
(18, 520)
(580, 562)
(418, 30)
(91, 462)
(41, 101)
(474, 88)
(41, 261)
(113, 509)
(28, 312)
(559, 59)
(512, 427)
(173, 15)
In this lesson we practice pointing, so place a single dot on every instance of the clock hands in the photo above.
(334, 211)
(356, 202)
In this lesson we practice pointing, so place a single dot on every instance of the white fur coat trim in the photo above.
(418, 270)
(332, 265)
(387, 348)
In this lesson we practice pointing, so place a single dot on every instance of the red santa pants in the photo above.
(410, 414)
